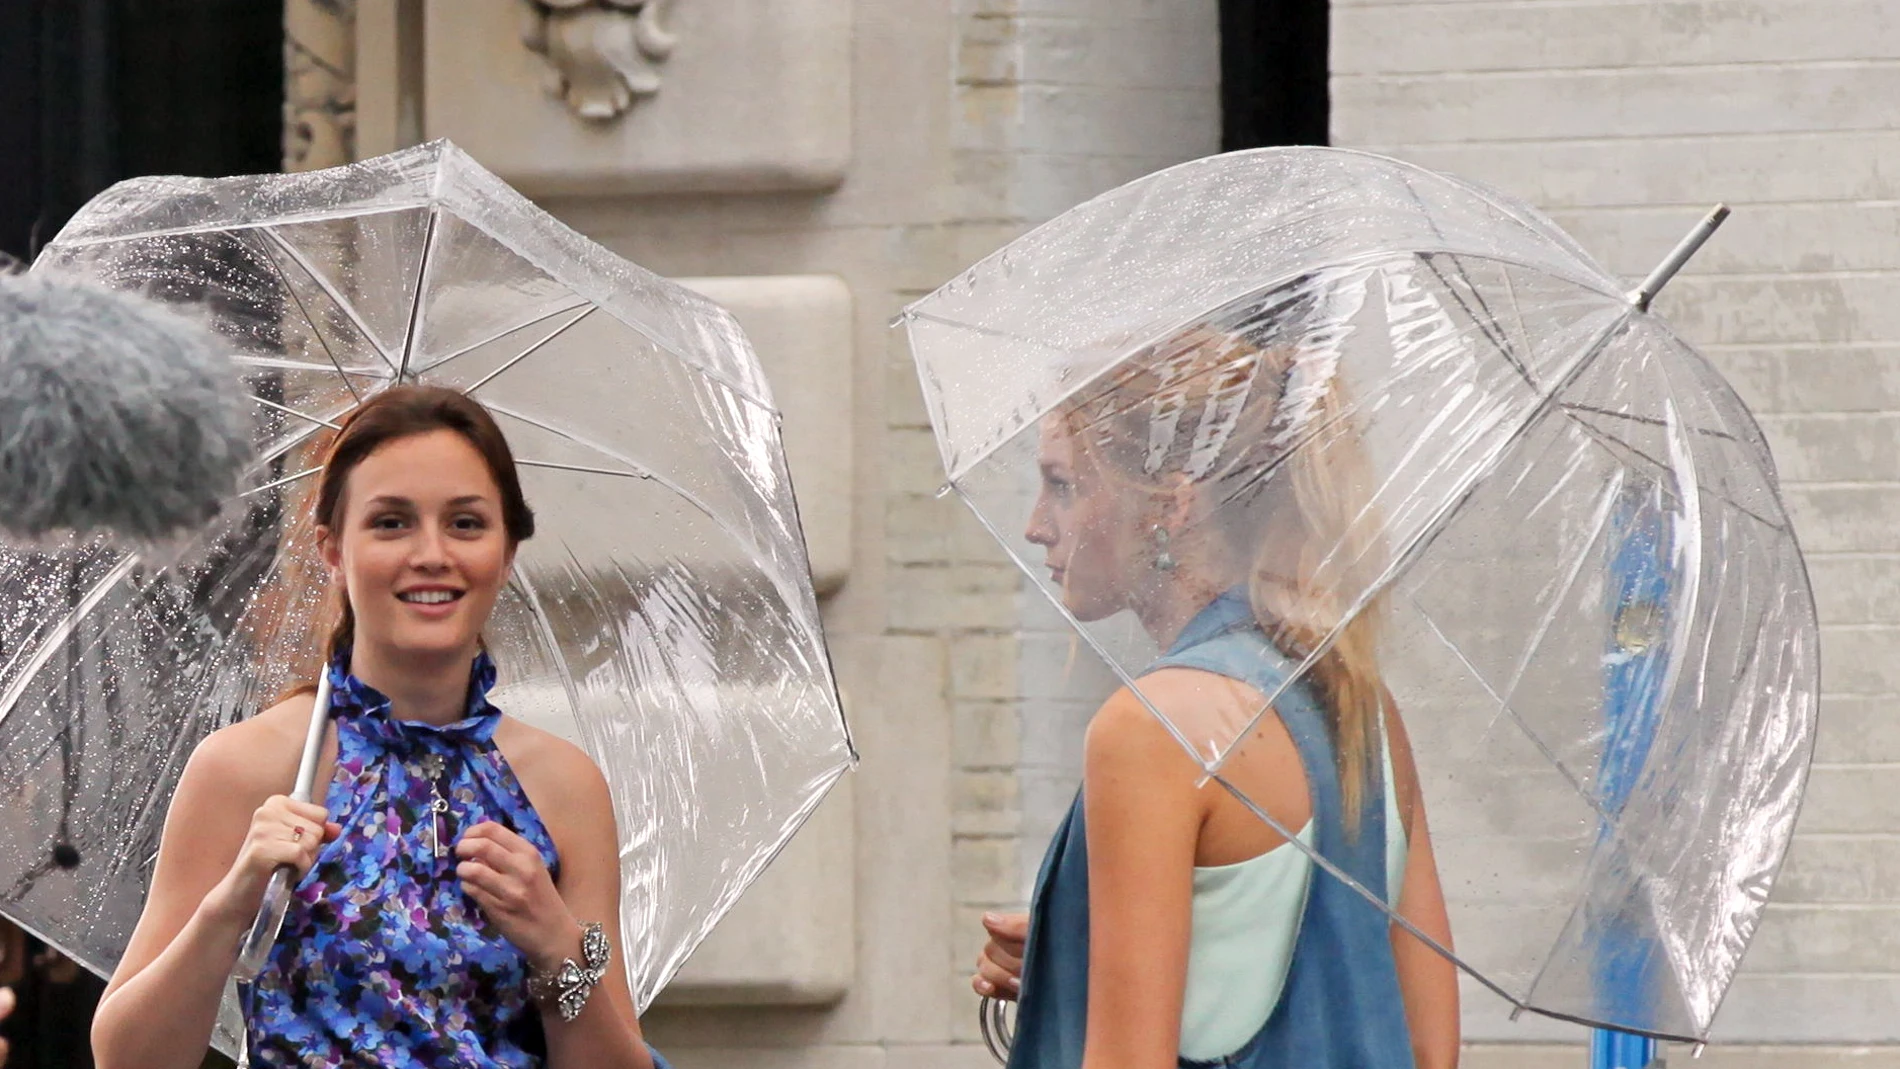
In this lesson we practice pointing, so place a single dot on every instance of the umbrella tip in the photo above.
(66, 856)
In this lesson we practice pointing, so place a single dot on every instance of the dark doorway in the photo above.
(1274, 71)
(92, 91)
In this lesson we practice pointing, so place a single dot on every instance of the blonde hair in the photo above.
(1266, 427)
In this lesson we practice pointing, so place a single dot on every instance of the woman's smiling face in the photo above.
(421, 550)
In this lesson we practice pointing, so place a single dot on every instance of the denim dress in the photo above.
(1341, 1006)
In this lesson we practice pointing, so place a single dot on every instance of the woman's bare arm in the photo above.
(1144, 813)
(1427, 979)
(569, 791)
(159, 1009)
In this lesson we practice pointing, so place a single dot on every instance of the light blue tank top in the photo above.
(1246, 917)
(1340, 1006)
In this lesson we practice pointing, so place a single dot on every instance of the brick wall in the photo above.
(1059, 100)
(1625, 121)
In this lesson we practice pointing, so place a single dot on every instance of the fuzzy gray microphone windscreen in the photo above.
(118, 416)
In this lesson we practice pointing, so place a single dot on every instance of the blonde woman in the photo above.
(1210, 488)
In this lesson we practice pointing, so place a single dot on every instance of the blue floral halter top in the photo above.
(383, 961)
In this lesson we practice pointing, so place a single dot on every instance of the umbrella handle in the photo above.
(999, 1034)
(263, 934)
(270, 914)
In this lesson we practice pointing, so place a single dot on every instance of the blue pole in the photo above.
(1633, 669)
(1610, 1049)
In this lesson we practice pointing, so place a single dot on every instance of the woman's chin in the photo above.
(1085, 609)
(431, 643)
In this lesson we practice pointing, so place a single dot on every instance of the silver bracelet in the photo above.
(568, 986)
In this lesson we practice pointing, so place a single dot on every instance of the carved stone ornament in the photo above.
(601, 54)
(319, 83)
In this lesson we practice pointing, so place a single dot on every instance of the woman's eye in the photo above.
(470, 523)
(388, 521)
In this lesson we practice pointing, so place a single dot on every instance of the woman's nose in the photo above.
(430, 547)
(1040, 532)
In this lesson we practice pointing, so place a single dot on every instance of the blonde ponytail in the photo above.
(1336, 560)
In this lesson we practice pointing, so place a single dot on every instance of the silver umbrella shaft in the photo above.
(1687, 247)
(270, 916)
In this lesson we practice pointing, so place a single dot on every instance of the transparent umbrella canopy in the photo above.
(662, 616)
(1435, 453)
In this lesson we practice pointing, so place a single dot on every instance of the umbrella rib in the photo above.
(684, 494)
(529, 597)
(62, 631)
(317, 332)
(232, 226)
(520, 462)
(1551, 612)
(274, 484)
(1570, 409)
(1492, 331)
(529, 351)
(1517, 307)
(1604, 440)
(1653, 421)
(277, 364)
(1604, 821)
(329, 290)
(289, 411)
(422, 282)
(293, 442)
(492, 338)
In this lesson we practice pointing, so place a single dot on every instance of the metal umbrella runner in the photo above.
(1402, 417)
(663, 615)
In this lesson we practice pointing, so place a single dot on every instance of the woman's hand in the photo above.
(6, 1009)
(283, 832)
(504, 875)
(999, 968)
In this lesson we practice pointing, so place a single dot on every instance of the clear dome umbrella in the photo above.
(663, 615)
(1410, 429)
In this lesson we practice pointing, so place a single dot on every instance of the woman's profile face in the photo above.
(421, 549)
(1086, 527)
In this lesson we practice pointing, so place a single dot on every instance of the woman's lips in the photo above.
(433, 610)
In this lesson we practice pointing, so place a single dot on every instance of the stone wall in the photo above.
(968, 123)
(1626, 121)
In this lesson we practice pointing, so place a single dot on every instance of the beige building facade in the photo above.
(817, 164)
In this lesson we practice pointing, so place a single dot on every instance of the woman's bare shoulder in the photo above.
(558, 776)
(256, 756)
(1202, 706)
(1127, 723)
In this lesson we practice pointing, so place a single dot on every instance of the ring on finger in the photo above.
(296, 833)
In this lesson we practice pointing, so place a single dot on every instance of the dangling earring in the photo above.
(1164, 560)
